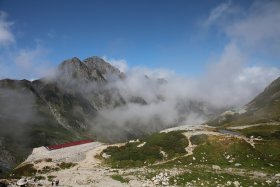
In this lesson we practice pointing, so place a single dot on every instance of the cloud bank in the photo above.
(256, 29)
(171, 99)
(251, 33)
(230, 80)
(157, 98)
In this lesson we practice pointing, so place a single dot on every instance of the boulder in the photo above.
(215, 167)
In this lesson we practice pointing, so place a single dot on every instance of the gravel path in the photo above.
(254, 125)
(89, 171)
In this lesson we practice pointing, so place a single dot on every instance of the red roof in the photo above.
(59, 146)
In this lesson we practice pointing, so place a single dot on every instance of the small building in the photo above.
(69, 144)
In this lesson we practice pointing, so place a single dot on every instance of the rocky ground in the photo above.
(87, 165)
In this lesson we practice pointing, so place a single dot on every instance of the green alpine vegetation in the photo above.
(148, 150)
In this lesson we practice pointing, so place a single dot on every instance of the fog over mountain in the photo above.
(93, 99)
(117, 105)
(148, 100)
(113, 100)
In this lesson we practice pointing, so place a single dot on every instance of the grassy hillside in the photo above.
(157, 147)
(265, 108)
(216, 160)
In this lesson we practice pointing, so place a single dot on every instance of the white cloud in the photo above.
(33, 63)
(224, 84)
(260, 27)
(234, 79)
(156, 72)
(218, 13)
(230, 80)
(255, 28)
(118, 63)
(29, 63)
(6, 36)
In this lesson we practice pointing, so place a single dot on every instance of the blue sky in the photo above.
(179, 35)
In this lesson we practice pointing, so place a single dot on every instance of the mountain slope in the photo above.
(263, 108)
(80, 101)
(64, 108)
(57, 109)
(43, 112)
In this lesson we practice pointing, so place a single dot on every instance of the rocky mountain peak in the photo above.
(70, 62)
(105, 68)
(92, 68)
(73, 69)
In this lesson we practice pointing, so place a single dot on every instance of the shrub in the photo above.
(119, 178)
(172, 142)
(66, 165)
(51, 177)
(39, 178)
(48, 160)
(199, 139)
(25, 170)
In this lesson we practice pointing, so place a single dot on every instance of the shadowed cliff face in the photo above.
(28, 118)
(16, 113)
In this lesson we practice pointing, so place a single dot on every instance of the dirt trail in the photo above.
(254, 125)
(88, 172)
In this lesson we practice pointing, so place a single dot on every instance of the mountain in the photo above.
(264, 108)
(70, 106)
(91, 69)
(50, 111)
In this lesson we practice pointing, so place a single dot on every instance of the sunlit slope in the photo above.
(265, 108)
